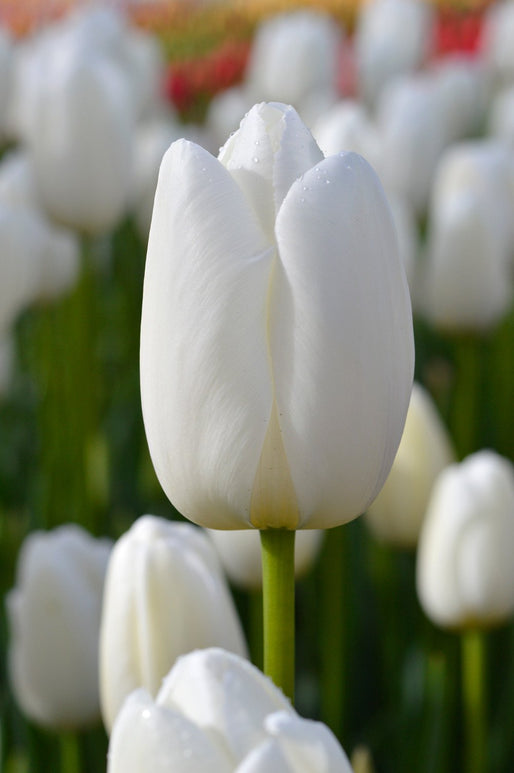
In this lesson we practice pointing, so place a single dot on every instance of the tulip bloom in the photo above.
(216, 712)
(465, 572)
(165, 594)
(54, 621)
(276, 333)
(425, 450)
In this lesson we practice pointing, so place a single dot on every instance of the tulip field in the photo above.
(256, 386)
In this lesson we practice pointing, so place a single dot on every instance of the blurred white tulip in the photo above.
(425, 450)
(7, 48)
(462, 87)
(412, 134)
(165, 595)
(465, 572)
(6, 360)
(497, 37)
(276, 326)
(294, 59)
(240, 554)
(392, 37)
(467, 280)
(226, 111)
(19, 265)
(347, 126)
(216, 712)
(79, 129)
(500, 122)
(54, 620)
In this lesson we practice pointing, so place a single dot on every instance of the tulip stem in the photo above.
(278, 591)
(70, 753)
(473, 687)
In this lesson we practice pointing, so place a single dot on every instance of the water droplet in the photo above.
(327, 182)
(302, 200)
(256, 142)
(255, 160)
(305, 188)
(146, 714)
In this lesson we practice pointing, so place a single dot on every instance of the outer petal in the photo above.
(147, 737)
(225, 695)
(205, 381)
(341, 339)
(309, 747)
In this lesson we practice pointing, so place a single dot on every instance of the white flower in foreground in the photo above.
(425, 450)
(276, 332)
(165, 595)
(240, 554)
(216, 712)
(465, 572)
(54, 622)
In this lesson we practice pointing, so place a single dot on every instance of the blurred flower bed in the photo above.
(405, 615)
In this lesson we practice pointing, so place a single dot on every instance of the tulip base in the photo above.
(278, 590)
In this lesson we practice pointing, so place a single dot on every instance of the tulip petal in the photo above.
(147, 736)
(270, 150)
(225, 695)
(205, 376)
(341, 339)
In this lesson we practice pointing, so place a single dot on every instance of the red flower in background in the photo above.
(202, 78)
(458, 32)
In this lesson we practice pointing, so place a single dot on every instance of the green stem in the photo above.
(333, 645)
(70, 753)
(278, 590)
(473, 687)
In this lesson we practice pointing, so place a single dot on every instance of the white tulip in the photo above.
(294, 59)
(54, 620)
(216, 712)
(392, 38)
(19, 263)
(240, 554)
(467, 280)
(479, 166)
(412, 133)
(497, 37)
(276, 333)
(465, 572)
(80, 138)
(347, 126)
(6, 360)
(6, 74)
(462, 88)
(165, 595)
(501, 116)
(425, 450)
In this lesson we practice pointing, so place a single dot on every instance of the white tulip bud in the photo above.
(425, 450)
(240, 554)
(465, 572)
(216, 712)
(165, 595)
(276, 331)
(54, 621)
